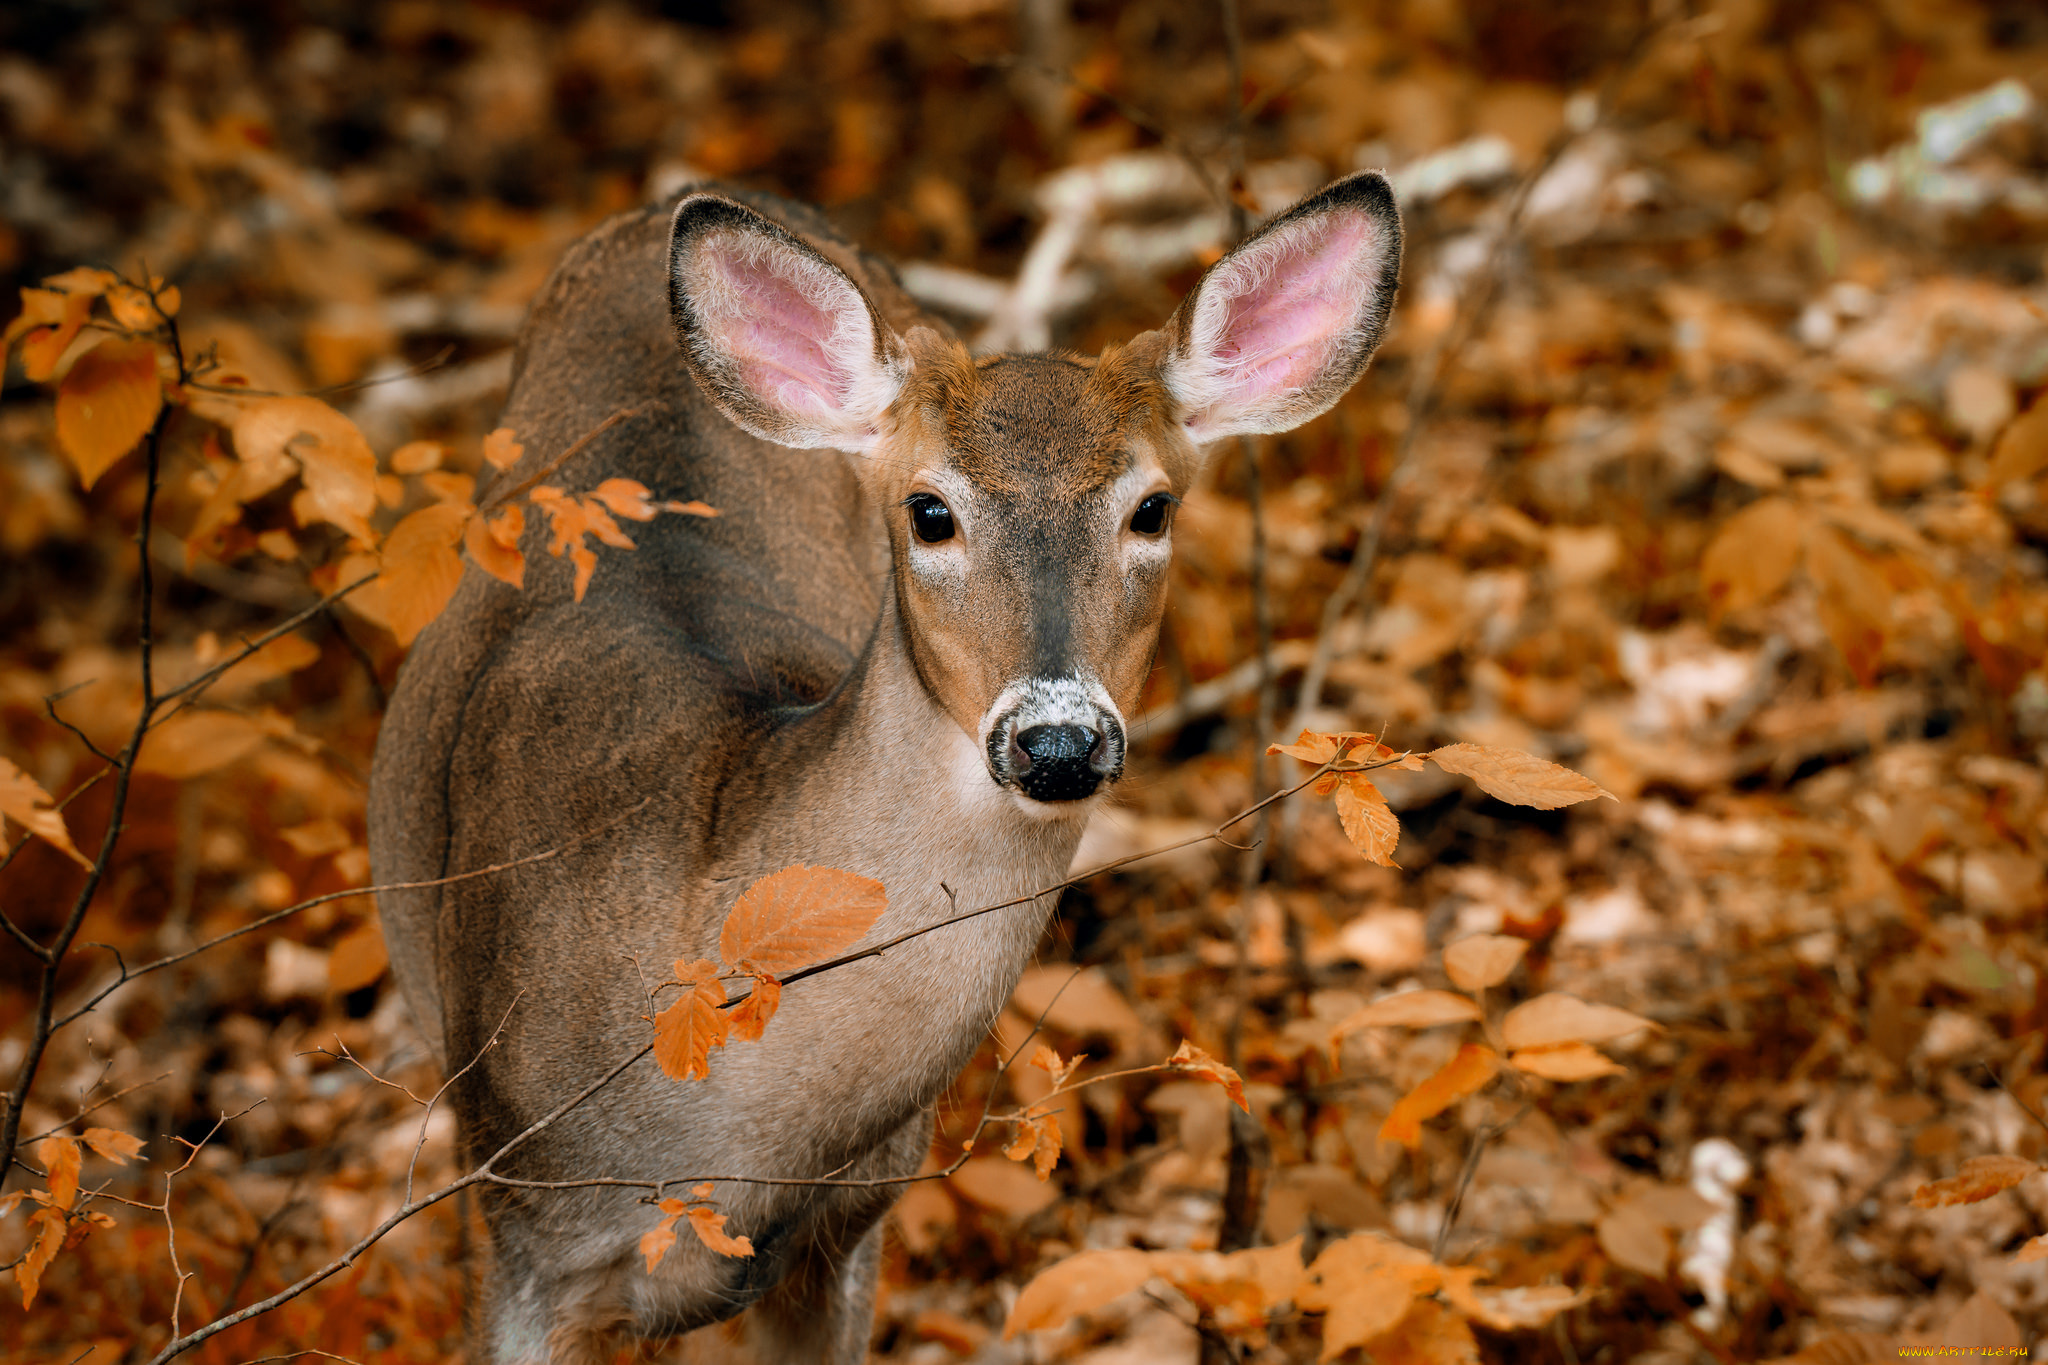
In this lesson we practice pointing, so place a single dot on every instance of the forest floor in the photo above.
(1707, 455)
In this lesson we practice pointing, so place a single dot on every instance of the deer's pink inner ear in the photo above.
(797, 337)
(1282, 309)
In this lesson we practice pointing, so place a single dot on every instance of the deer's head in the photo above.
(1030, 498)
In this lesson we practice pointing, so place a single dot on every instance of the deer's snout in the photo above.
(1057, 740)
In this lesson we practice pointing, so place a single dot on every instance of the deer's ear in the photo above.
(1276, 331)
(781, 339)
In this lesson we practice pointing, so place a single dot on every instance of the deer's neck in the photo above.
(891, 788)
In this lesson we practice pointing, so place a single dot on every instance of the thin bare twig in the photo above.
(127, 975)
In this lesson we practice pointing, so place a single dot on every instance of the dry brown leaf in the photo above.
(1484, 960)
(709, 1225)
(194, 742)
(1191, 1059)
(1551, 1019)
(357, 960)
(50, 319)
(1365, 1284)
(1853, 599)
(417, 457)
(112, 1144)
(335, 462)
(626, 498)
(1980, 1178)
(1635, 1239)
(1566, 1062)
(317, 838)
(501, 450)
(1002, 1186)
(1468, 1071)
(800, 916)
(493, 543)
(687, 1030)
(1367, 819)
(1752, 556)
(1511, 1309)
(23, 800)
(2022, 451)
(420, 568)
(1038, 1140)
(1082, 1283)
(1431, 1334)
(49, 1225)
(752, 1014)
(60, 1158)
(1517, 778)
(1413, 1009)
(107, 404)
(1050, 1062)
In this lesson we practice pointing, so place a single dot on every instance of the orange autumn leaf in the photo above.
(1050, 1062)
(420, 568)
(493, 542)
(1038, 1141)
(626, 498)
(107, 404)
(112, 1144)
(1517, 778)
(1751, 557)
(687, 1030)
(336, 465)
(1080, 1284)
(1463, 1075)
(49, 1225)
(1195, 1062)
(799, 916)
(709, 1225)
(1556, 1018)
(23, 800)
(1566, 1062)
(501, 450)
(1413, 1009)
(1484, 960)
(60, 1156)
(1979, 1179)
(1367, 819)
(1365, 1285)
(655, 1242)
(751, 1015)
(192, 743)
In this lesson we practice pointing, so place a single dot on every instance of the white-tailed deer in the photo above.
(911, 661)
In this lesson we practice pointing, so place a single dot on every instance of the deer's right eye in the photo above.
(930, 518)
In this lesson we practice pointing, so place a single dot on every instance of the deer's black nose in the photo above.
(1058, 762)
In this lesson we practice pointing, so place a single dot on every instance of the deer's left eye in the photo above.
(1152, 514)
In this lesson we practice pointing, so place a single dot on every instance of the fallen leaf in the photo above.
(1509, 1310)
(357, 960)
(1083, 1283)
(1008, 1189)
(1751, 557)
(1517, 778)
(1980, 1178)
(1430, 1334)
(1365, 1284)
(192, 743)
(800, 916)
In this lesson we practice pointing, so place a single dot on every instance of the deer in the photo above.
(907, 647)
